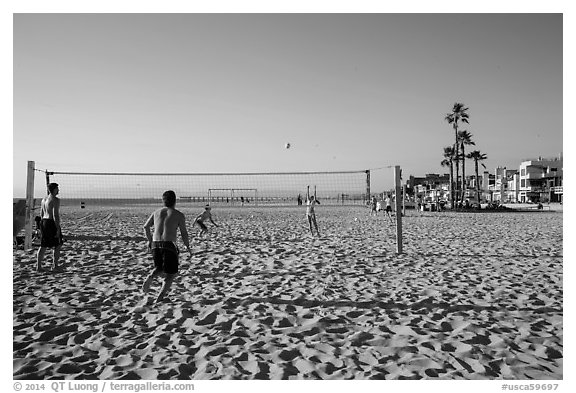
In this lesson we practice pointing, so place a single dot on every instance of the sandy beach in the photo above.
(473, 296)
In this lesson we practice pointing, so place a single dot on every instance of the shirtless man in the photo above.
(51, 233)
(311, 201)
(166, 222)
(205, 215)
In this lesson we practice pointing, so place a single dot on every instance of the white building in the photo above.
(513, 187)
(541, 180)
(504, 189)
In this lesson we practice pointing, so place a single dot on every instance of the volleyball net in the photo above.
(338, 188)
(345, 187)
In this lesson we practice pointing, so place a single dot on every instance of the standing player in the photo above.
(373, 204)
(50, 230)
(205, 215)
(311, 201)
(166, 222)
(419, 203)
(388, 207)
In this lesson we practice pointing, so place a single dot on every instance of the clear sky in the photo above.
(225, 92)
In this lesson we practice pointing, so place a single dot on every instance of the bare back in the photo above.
(50, 208)
(166, 222)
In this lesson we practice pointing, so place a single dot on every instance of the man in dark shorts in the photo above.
(51, 233)
(166, 222)
(388, 203)
(204, 216)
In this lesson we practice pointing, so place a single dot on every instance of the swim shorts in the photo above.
(165, 256)
(201, 225)
(49, 233)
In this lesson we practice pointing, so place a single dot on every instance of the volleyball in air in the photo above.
(287, 146)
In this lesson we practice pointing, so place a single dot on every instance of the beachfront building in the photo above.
(541, 180)
(486, 181)
(513, 187)
(470, 193)
(504, 190)
(431, 188)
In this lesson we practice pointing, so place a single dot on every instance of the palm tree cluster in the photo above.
(456, 154)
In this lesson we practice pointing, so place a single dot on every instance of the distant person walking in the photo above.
(50, 230)
(311, 202)
(205, 215)
(166, 222)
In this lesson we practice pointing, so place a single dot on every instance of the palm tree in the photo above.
(449, 162)
(477, 156)
(465, 138)
(459, 113)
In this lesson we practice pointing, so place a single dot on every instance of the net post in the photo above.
(397, 181)
(403, 199)
(29, 205)
(367, 186)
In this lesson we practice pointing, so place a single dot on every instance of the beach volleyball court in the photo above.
(473, 296)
